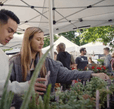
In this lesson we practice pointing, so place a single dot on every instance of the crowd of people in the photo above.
(25, 62)
(81, 62)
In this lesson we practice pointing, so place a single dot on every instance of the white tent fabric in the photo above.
(16, 42)
(70, 46)
(94, 48)
(13, 51)
(67, 14)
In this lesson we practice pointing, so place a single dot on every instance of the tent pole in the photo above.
(51, 27)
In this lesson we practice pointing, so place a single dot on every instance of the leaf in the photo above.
(4, 103)
(47, 98)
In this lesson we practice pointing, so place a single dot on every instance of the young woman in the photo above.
(25, 63)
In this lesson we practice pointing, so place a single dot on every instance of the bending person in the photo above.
(8, 26)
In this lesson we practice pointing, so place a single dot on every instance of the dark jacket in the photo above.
(58, 74)
(65, 59)
(107, 63)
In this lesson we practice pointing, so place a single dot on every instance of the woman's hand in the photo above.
(101, 75)
(39, 86)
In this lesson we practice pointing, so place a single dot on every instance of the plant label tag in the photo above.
(107, 98)
(97, 99)
(61, 88)
(47, 78)
(109, 81)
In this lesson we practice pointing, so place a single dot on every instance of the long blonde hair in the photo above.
(26, 52)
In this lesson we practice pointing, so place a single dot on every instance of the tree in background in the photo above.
(103, 34)
(71, 35)
(47, 40)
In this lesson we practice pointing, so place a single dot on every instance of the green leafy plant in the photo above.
(81, 97)
(78, 97)
(101, 61)
(112, 87)
(7, 97)
(37, 102)
(95, 84)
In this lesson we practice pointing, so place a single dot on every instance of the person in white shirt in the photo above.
(8, 26)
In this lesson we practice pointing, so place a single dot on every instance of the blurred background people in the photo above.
(112, 61)
(55, 56)
(73, 64)
(82, 61)
(107, 59)
(91, 63)
(63, 56)
(90, 60)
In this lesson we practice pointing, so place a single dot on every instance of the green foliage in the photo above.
(78, 88)
(73, 99)
(81, 97)
(47, 98)
(101, 61)
(78, 97)
(7, 49)
(104, 34)
(36, 101)
(71, 36)
(41, 103)
(33, 101)
(94, 33)
(103, 95)
(47, 40)
(112, 87)
(95, 84)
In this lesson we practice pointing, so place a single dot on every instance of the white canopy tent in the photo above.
(13, 51)
(67, 14)
(70, 46)
(94, 48)
(16, 42)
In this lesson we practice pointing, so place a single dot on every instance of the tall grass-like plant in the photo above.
(33, 79)
(41, 103)
(47, 98)
(7, 97)
(37, 102)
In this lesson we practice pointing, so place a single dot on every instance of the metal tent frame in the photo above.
(56, 16)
